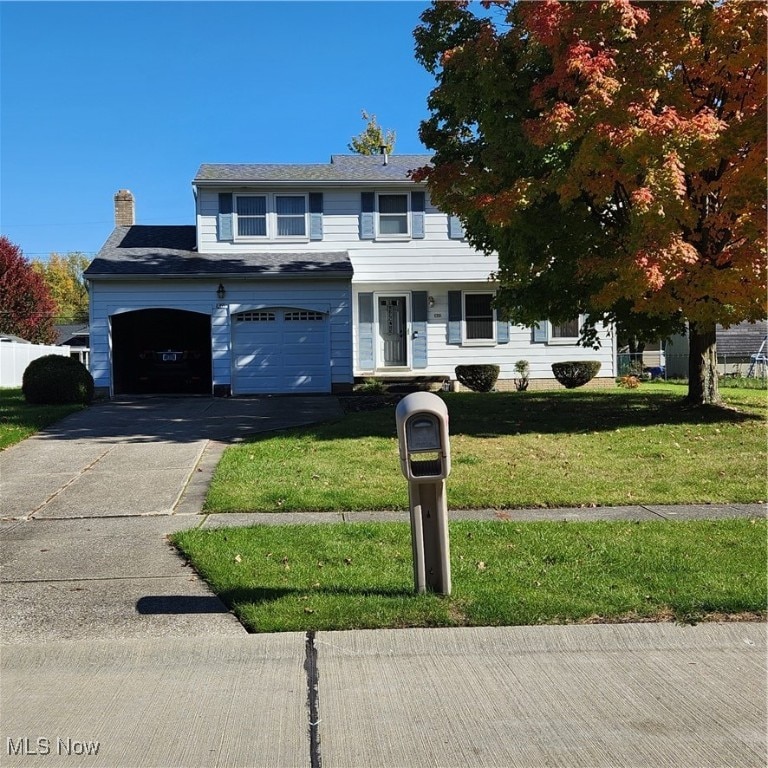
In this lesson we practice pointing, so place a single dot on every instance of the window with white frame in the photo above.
(271, 216)
(291, 213)
(251, 215)
(566, 330)
(479, 318)
(393, 215)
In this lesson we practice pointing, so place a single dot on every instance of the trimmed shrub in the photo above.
(522, 368)
(55, 379)
(575, 373)
(478, 378)
(372, 387)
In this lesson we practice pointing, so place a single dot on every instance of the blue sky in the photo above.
(101, 96)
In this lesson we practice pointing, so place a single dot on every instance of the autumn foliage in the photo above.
(64, 277)
(27, 309)
(612, 153)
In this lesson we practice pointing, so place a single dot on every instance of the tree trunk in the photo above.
(702, 365)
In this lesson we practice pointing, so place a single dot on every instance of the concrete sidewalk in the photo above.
(116, 654)
(632, 695)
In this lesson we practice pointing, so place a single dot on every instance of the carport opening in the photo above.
(161, 351)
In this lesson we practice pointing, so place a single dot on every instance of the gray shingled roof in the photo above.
(147, 251)
(73, 335)
(741, 341)
(342, 169)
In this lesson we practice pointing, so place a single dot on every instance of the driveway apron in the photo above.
(87, 505)
(135, 457)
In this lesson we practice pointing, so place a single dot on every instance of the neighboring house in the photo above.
(72, 334)
(305, 278)
(9, 338)
(77, 338)
(738, 347)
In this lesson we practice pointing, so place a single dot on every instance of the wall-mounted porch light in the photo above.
(431, 301)
(221, 291)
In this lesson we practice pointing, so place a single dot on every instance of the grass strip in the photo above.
(19, 420)
(516, 449)
(359, 576)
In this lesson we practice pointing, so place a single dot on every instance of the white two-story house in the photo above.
(305, 278)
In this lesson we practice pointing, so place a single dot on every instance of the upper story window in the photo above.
(252, 216)
(291, 212)
(271, 216)
(393, 215)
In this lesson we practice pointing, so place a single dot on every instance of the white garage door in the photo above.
(280, 350)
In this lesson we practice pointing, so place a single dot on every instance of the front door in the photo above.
(392, 326)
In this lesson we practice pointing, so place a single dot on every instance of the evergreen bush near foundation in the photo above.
(55, 379)
(575, 373)
(478, 378)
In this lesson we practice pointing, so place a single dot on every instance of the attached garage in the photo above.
(280, 349)
(161, 351)
(166, 318)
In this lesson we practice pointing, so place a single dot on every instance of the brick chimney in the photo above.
(125, 213)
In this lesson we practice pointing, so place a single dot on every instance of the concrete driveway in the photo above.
(138, 457)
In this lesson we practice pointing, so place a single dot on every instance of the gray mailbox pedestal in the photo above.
(425, 459)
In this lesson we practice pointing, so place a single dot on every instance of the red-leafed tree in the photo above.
(613, 154)
(26, 306)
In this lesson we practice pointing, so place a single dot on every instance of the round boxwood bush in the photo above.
(478, 378)
(575, 373)
(55, 379)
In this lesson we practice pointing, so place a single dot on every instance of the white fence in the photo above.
(15, 357)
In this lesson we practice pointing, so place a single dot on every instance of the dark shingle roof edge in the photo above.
(343, 169)
(147, 252)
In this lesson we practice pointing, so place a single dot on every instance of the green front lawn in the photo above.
(357, 576)
(517, 449)
(18, 420)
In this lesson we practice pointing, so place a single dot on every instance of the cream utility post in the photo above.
(425, 459)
